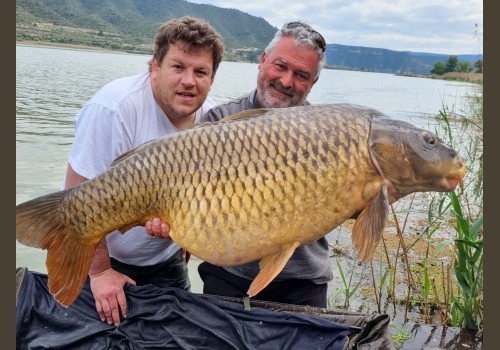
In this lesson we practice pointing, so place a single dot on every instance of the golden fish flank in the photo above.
(255, 185)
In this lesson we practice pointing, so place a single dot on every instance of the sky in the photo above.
(451, 27)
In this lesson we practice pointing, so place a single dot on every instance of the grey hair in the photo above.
(302, 37)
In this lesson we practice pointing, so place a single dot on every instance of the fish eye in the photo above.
(429, 139)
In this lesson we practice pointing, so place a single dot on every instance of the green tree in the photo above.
(464, 67)
(479, 66)
(451, 64)
(439, 68)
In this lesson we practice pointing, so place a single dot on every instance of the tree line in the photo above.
(454, 65)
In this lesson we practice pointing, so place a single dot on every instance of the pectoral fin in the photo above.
(270, 267)
(368, 228)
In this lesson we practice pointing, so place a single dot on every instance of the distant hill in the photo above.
(130, 25)
(432, 58)
(386, 61)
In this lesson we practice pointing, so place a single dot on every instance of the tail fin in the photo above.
(39, 224)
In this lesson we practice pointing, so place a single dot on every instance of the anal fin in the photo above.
(270, 267)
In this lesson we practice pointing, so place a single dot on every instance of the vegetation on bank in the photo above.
(454, 69)
(457, 70)
(454, 65)
(474, 78)
(47, 34)
(250, 55)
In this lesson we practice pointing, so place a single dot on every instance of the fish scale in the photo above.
(252, 180)
(253, 186)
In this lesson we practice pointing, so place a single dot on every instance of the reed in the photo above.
(348, 289)
(467, 306)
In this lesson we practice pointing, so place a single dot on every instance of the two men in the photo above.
(167, 99)
(289, 67)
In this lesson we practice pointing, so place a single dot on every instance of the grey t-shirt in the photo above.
(307, 262)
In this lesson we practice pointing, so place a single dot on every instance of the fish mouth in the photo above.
(454, 178)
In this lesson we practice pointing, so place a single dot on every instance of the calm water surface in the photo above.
(52, 84)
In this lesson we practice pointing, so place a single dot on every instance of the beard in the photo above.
(269, 99)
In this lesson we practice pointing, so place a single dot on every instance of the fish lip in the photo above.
(454, 178)
(450, 183)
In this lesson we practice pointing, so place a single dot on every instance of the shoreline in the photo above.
(71, 46)
(475, 78)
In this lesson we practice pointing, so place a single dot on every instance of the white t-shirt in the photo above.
(121, 116)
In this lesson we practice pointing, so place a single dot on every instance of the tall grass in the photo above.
(467, 306)
(467, 303)
(463, 302)
(348, 289)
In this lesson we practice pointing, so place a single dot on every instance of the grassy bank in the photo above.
(475, 78)
(63, 45)
(252, 56)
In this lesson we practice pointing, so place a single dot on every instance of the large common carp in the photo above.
(255, 185)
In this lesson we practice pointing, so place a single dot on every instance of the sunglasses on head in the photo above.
(318, 38)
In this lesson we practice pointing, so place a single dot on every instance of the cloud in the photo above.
(434, 26)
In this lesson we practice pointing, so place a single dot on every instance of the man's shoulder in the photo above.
(119, 102)
(231, 107)
(119, 89)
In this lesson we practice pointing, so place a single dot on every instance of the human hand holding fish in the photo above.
(157, 228)
(253, 186)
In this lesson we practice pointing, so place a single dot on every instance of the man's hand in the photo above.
(107, 287)
(157, 228)
(161, 230)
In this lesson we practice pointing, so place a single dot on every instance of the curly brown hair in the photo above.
(192, 33)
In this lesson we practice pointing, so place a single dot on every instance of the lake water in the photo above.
(52, 84)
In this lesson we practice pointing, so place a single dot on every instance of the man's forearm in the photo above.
(101, 261)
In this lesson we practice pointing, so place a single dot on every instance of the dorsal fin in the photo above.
(245, 115)
(248, 114)
(130, 152)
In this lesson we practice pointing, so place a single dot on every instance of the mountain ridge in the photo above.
(130, 25)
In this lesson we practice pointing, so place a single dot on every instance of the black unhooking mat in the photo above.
(171, 318)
